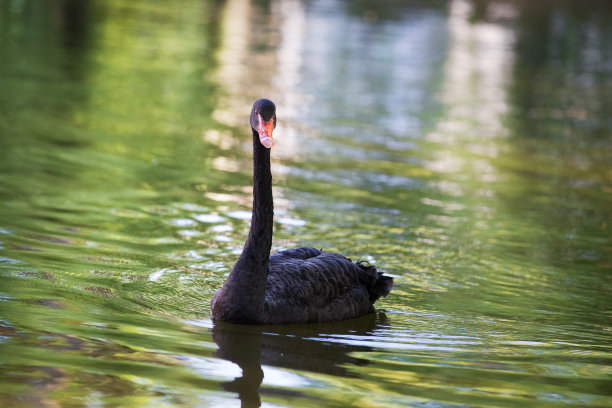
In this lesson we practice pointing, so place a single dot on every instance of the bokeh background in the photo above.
(462, 146)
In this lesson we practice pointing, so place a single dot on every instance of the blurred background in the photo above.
(462, 146)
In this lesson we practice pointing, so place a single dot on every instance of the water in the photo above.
(463, 148)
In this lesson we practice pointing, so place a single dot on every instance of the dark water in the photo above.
(463, 147)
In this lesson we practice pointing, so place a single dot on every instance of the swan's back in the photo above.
(307, 285)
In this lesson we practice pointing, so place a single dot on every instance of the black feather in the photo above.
(299, 285)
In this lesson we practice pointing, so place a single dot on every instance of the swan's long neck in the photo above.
(243, 293)
(260, 235)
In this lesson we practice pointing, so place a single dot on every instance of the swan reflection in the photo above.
(271, 356)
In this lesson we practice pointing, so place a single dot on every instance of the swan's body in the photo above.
(301, 285)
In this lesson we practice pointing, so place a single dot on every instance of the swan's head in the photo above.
(263, 121)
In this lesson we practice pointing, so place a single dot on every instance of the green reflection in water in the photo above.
(471, 162)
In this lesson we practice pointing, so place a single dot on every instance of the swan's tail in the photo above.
(377, 283)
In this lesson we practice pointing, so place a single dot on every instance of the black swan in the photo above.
(301, 285)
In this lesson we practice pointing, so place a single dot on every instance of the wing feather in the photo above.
(307, 285)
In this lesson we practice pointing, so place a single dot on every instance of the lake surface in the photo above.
(463, 147)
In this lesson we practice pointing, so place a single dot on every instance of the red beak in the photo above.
(265, 132)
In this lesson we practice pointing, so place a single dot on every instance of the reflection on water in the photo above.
(261, 351)
(461, 146)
